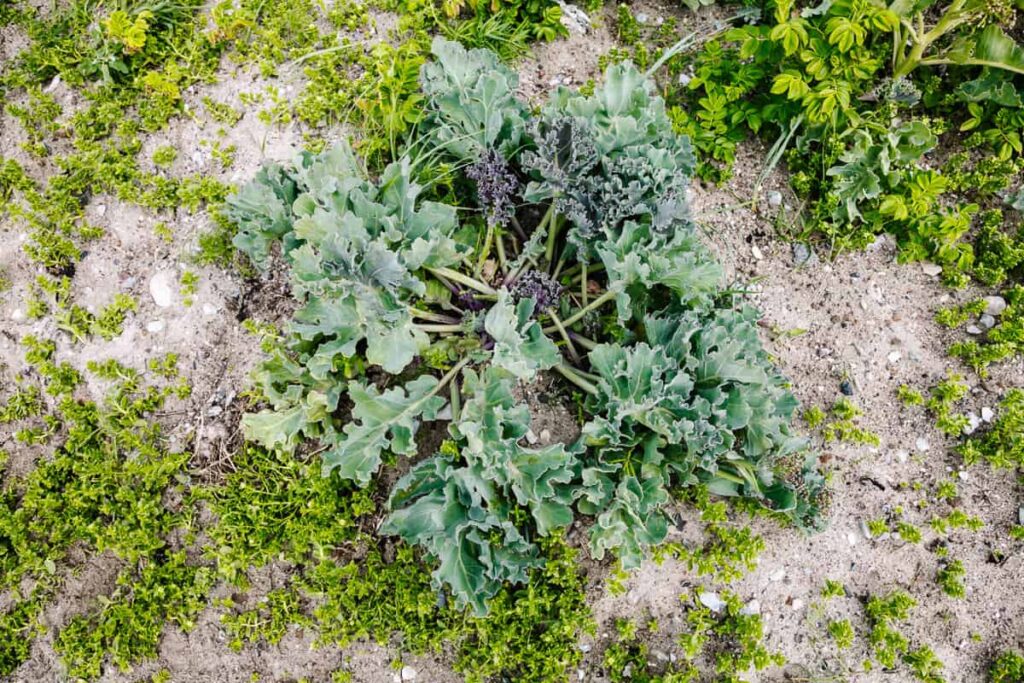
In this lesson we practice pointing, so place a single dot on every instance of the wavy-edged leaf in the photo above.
(380, 421)
(520, 345)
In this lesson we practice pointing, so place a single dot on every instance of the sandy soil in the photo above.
(866, 319)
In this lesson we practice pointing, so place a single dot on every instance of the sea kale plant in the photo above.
(501, 246)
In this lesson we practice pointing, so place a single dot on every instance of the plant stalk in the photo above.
(578, 315)
(575, 378)
(565, 335)
(456, 276)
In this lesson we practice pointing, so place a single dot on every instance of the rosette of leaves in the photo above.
(572, 253)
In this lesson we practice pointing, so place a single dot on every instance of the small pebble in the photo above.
(922, 444)
(973, 329)
(777, 575)
(775, 199)
(846, 388)
(711, 601)
(931, 269)
(973, 422)
(209, 309)
(155, 326)
(408, 673)
(864, 530)
(641, 18)
(531, 438)
(18, 315)
(851, 538)
(987, 414)
(995, 305)
(894, 357)
(962, 474)
(902, 456)
(161, 288)
(987, 321)
(801, 254)
(751, 608)
(545, 435)
(684, 79)
(214, 411)
(756, 252)
(798, 604)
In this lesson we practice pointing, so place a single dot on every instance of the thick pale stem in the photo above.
(456, 400)
(583, 284)
(456, 276)
(549, 251)
(564, 334)
(486, 250)
(439, 329)
(430, 315)
(578, 315)
(502, 259)
(585, 342)
(575, 378)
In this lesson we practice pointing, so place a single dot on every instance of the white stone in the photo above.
(684, 79)
(777, 575)
(973, 329)
(962, 474)
(987, 321)
(756, 252)
(902, 456)
(162, 288)
(408, 673)
(711, 601)
(851, 538)
(155, 326)
(531, 438)
(574, 19)
(922, 444)
(18, 315)
(751, 608)
(995, 305)
(987, 414)
(894, 357)
(798, 604)
(931, 269)
(210, 309)
(973, 422)
(774, 198)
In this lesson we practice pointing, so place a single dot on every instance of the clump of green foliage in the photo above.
(852, 95)
(1008, 667)
(840, 423)
(128, 626)
(951, 579)
(729, 637)
(1003, 342)
(574, 254)
(891, 645)
(102, 490)
(1001, 445)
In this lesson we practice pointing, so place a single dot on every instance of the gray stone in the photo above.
(995, 305)
(162, 288)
